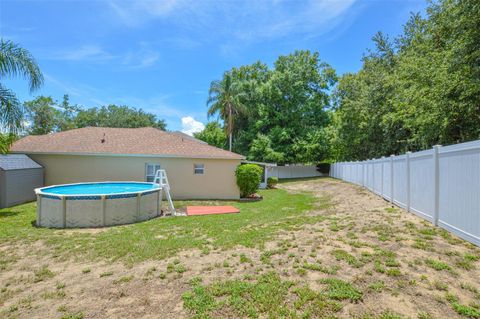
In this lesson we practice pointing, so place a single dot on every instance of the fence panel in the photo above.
(422, 188)
(295, 171)
(441, 185)
(347, 172)
(400, 181)
(459, 190)
(370, 175)
(358, 173)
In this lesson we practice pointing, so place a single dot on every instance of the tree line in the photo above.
(277, 114)
(45, 115)
(416, 90)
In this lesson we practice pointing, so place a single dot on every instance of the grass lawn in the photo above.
(164, 237)
(314, 248)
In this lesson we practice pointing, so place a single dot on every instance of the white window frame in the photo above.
(198, 169)
(156, 166)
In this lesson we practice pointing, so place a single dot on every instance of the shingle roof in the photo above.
(125, 141)
(17, 161)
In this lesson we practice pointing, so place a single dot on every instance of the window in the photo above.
(150, 170)
(198, 169)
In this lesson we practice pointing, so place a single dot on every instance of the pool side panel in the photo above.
(51, 212)
(120, 210)
(84, 213)
(148, 206)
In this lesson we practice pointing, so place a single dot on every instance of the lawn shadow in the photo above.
(8, 213)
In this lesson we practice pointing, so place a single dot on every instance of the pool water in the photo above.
(99, 188)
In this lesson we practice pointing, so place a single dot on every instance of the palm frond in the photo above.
(16, 61)
(11, 110)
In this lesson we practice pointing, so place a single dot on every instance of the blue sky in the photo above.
(162, 55)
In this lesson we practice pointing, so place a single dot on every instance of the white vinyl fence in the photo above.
(294, 171)
(441, 185)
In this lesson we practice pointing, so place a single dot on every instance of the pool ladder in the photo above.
(162, 180)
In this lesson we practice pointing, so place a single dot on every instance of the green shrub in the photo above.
(248, 178)
(272, 182)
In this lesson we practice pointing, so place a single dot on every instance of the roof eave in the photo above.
(239, 157)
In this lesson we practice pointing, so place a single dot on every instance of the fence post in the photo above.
(382, 160)
(363, 173)
(369, 172)
(359, 181)
(373, 175)
(391, 178)
(407, 164)
(436, 195)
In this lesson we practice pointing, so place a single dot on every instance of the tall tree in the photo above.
(44, 115)
(225, 98)
(251, 78)
(15, 61)
(69, 112)
(293, 111)
(284, 109)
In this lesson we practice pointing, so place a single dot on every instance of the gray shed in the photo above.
(19, 176)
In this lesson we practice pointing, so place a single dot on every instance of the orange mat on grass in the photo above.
(211, 210)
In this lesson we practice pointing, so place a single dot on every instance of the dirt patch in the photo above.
(398, 261)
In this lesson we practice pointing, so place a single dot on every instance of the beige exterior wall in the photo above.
(218, 181)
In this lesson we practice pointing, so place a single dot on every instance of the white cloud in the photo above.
(86, 52)
(142, 58)
(190, 125)
(239, 21)
(129, 11)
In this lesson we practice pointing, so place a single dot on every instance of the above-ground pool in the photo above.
(97, 204)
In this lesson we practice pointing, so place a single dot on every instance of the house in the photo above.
(19, 176)
(195, 169)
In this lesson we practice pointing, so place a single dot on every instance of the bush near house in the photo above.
(249, 177)
(272, 182)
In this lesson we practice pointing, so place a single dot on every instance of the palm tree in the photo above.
(15, 61)
(225, 98)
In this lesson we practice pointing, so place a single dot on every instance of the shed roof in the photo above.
(120, 141)
(17, 161)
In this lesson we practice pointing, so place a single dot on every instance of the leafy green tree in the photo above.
(261, 150)
(213, 134)
(44, 115)
(225, 98)
(419, 90)
(250, 78)
(6, 139)
(47, 116)
(296, 99)
(69, 112)
(117, 116)
(283, 109)
(361, 101)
